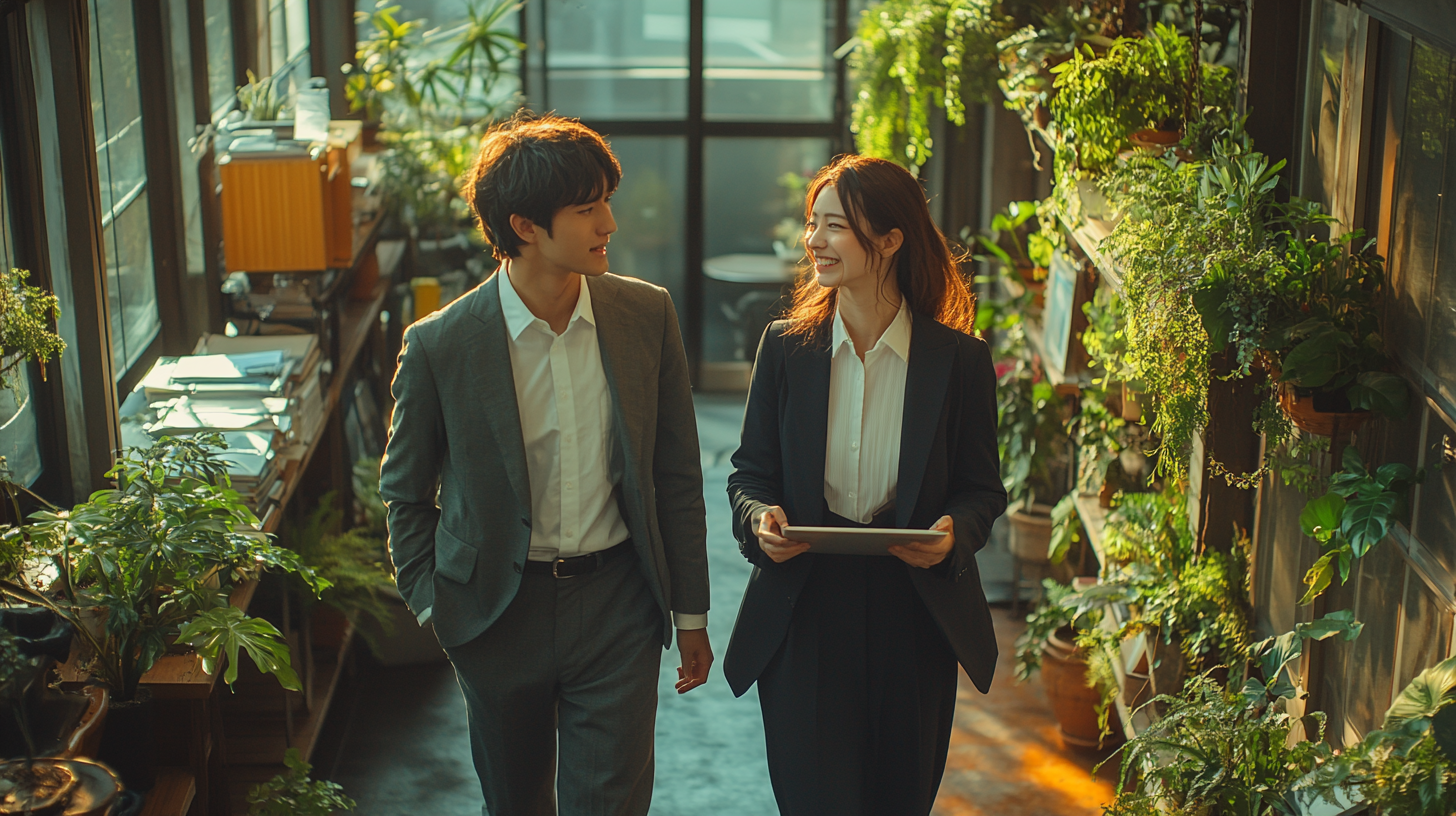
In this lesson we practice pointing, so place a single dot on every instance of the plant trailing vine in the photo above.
(27, 314)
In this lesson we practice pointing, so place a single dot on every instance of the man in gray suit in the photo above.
(544, 487)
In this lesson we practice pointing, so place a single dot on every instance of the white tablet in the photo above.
(857, 540)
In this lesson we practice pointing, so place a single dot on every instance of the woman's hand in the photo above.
(770, 525)
(923, 555)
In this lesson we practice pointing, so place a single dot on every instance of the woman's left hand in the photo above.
(926, 555)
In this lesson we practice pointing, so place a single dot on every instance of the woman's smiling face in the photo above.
(839, 258)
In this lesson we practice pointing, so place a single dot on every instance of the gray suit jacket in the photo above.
(454, 472)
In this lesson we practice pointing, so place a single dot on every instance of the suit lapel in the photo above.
(624, 353)
(808, 404)
(494, 386)
(932, 354)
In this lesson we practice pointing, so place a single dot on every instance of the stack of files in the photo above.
(219, 375)
(190, 415)
(304, 388)
(251, 464)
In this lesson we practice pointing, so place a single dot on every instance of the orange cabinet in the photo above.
(290, 211)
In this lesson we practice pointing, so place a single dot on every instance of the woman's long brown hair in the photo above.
(879, 196)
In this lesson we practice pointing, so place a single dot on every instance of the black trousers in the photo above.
(859, 700)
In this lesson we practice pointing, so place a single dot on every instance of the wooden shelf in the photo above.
(173, 793)
(1094, 521)
(1089, 236)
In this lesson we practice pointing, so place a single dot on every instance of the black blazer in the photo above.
(948, 466)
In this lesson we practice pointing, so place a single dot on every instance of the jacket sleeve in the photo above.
(757, 480)
(976, 495)
(409, 475)
(677, 474)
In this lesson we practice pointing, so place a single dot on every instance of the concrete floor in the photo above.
(401, 745)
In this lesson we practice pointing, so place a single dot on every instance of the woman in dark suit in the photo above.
(871, 405)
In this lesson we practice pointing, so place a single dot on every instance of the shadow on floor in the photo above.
(397, 737)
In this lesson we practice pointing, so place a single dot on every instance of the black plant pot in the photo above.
(129, 743)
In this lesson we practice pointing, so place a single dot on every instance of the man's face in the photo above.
(579, 236)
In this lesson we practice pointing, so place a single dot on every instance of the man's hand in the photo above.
(923, 555)
(697, 658)
(778, 548)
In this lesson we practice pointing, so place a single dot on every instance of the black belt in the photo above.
(579, 564)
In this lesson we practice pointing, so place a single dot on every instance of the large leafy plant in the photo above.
(1139, 83)
(1034, 447)
(1406, 766)
(1355, 515)
(1231, 748)
(293, 793)
(155, 556)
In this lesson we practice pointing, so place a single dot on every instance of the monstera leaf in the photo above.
(1424, 696)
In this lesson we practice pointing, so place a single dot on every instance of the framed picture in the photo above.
(1061, 303)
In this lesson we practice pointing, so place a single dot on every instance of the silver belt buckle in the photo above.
(556, 569)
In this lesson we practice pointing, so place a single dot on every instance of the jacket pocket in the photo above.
(454, 559)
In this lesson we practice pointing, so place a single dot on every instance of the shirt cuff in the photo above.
(682, 620)
(424, 616)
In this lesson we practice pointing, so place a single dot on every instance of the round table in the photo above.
(751, 312)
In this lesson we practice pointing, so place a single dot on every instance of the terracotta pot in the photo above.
(85, 741)
(1104, 496)
(1034, 278)
(1064, 677)
(1153, 141)
(1031, 533)
(1302, 412)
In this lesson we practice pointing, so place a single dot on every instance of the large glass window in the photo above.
(187, 142)
(19, 432)
(768, 60)
(648, 207)
(1331, 116)
(630, 63)
(122, 174)
(753, 197)
(221, 79)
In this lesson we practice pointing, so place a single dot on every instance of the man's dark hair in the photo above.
(533, 166)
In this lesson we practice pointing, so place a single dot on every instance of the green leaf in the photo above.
(1381, 392)
(1367, 518)
(1064, 528)
(226, 630)
(1318, 578)
(1424, 696)
(1443, 727)
(1321, 517)
(1315, 361)
(1341, 622)
(1352, 462)
(1209, 303)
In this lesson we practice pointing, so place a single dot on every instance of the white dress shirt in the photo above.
(566, 424)
(866, 408)
(565, 408)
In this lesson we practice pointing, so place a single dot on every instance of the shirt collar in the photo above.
(896, 336)
(519, 317)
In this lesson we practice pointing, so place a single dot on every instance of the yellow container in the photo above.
(427, 296)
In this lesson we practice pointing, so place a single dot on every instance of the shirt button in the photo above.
(570, 533)
(568, 485)
(854, 445)
(851, 495)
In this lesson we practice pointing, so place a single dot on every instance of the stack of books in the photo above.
(262, 393)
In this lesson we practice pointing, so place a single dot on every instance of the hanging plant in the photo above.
(27, 314)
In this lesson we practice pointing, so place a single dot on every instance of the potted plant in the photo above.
(355, 565)
(1049, 644)
(293, 793)
(1231, 747)
(151, 560)
(1035, 452)
(1329, 342)
(1031, 259)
